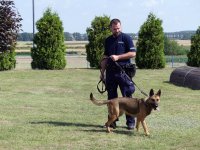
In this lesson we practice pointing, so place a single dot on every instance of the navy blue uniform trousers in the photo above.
(115, 79)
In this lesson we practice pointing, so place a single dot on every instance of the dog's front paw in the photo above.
(109, 130)
(147, 134)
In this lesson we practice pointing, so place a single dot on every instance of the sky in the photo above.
(77, 15)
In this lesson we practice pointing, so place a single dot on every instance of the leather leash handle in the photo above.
(102, 90)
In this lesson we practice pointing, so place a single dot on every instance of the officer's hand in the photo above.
(114, 57)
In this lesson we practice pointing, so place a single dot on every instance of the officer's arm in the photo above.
(127, 55)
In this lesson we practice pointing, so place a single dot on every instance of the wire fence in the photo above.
(176, 61)
(77, 61)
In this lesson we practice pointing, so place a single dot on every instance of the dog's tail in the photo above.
(97, 102)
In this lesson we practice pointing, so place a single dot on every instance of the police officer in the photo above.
(120, 48)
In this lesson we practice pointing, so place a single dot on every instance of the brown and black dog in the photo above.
(139, 108)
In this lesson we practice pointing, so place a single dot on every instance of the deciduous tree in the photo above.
(9, 28)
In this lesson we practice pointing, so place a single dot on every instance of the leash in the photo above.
(123, 71)
(102, 81)
(103, 85)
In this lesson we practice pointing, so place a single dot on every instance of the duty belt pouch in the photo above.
(130, 69)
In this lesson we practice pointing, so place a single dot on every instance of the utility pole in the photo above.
(33, 4)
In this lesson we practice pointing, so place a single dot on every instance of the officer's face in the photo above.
(116, 29)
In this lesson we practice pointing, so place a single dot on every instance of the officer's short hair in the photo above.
(114, 21)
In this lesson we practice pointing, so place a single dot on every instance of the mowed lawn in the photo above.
(46, 109)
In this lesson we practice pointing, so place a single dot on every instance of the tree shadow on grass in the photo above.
(90, 127)
(80, 126)
(119, 130)
(57, 123)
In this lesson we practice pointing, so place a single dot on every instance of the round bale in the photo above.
(186, 76)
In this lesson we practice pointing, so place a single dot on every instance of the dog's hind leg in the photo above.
(145, 127)
(138, 124)
(111, 119)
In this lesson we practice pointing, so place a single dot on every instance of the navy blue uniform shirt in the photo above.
(119, 45)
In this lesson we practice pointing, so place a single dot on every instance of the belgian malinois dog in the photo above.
(139, 108)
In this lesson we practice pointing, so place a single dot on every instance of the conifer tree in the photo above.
(49, 50)
(150, 44)
(97, 34)
(194, 54)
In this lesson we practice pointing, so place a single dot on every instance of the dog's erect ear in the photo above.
(159, 92)
(151, 93)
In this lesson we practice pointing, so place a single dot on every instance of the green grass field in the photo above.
(41, 109)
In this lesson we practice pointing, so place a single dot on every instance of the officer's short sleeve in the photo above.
(130, 44)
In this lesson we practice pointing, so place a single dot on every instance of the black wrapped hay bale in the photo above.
(186, 76)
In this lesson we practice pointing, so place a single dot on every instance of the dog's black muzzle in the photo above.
(154, 106)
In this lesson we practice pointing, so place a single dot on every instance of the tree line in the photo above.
(48, 51)
(76, 36)
(152, 44)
